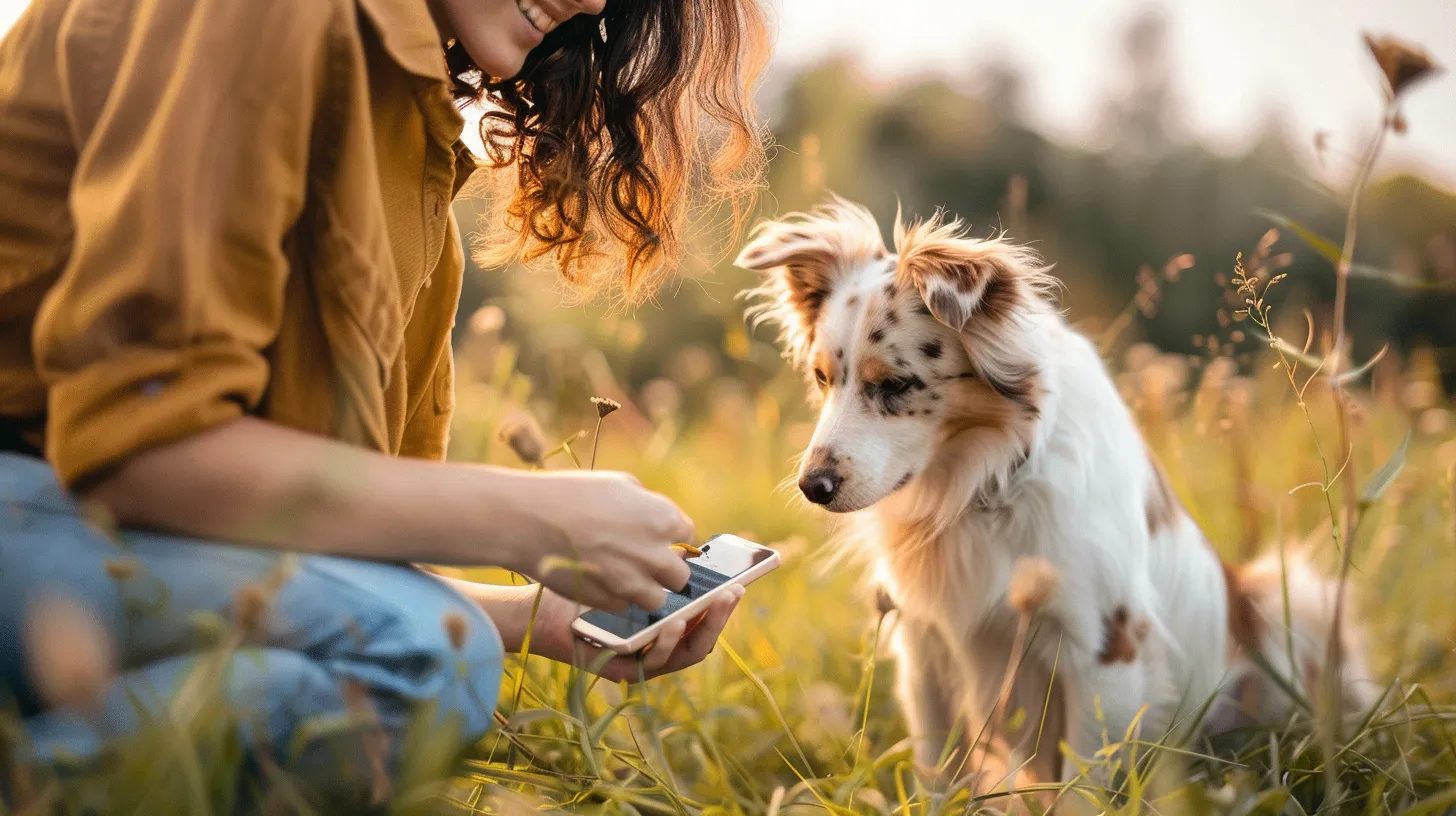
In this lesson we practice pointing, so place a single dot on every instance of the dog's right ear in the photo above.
(802, 256)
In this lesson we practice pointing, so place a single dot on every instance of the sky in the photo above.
(1233, 61)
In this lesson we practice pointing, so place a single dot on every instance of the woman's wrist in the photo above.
(501, 511)
(509, 607)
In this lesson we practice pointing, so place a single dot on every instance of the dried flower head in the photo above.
(521, 433)
(250, 610)
(884, 603)
(122, 569)
(605, 406)
(71, 656)
(1033, 582)
(456, 628)
(1402, 63)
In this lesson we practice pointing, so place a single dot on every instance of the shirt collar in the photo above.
(409, 35)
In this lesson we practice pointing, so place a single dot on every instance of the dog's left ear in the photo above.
(964, 279)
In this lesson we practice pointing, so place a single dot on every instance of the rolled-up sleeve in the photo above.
(193, 120)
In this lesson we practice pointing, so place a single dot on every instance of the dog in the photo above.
(964, 426)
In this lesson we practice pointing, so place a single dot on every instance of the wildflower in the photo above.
(1401, 62)
(456, 627)
(71, 656)
(605, 406)
(1033, 583)
(523, 436)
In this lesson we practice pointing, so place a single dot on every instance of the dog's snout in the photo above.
(819, 485)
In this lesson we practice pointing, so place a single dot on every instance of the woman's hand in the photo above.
(681, 644)
(600, 538)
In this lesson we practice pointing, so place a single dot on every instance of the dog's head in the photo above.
(907, 352)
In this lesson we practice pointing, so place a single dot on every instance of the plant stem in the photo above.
(596, 440)
(1348, 521)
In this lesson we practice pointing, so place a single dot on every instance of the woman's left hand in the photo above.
(679, 646)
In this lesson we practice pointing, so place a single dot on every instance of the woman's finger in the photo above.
(669, 569)
(667, 642)
(645, 594)
(699, 643)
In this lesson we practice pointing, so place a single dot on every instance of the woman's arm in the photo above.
(256, 482)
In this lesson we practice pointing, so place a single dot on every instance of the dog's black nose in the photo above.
(819, 485)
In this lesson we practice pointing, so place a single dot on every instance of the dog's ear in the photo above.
(961, 278)
(802, 256)
(982, 289)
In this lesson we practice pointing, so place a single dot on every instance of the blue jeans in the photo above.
(335, 632)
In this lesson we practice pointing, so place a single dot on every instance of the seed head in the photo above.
(884, 603)
(71, 656)
(456, 627)
(122, 569)
(1033, 582)
(605, 406)
(1401, 62)
(523, 436)
(250, 610)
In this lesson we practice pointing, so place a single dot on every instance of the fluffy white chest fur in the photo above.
(987, 462)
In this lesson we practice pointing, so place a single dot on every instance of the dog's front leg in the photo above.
(931, 697)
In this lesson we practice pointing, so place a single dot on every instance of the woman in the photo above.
(228, 272)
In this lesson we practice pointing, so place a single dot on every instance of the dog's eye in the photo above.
(820, 377)
(894, 386)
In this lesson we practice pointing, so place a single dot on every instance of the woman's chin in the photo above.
(498, 60)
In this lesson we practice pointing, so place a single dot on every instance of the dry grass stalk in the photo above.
(605, 408)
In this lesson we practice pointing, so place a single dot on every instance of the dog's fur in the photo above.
(964, 425)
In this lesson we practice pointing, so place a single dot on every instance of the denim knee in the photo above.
(424, 647)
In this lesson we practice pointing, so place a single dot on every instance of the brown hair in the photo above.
(623, 130)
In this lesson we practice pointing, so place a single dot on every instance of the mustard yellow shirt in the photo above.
(211, 208)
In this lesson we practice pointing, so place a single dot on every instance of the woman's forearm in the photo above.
(255, 482)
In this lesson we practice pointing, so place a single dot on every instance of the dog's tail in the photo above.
(1281, 613)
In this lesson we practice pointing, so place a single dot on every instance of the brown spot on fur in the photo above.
(877, 335)
(852, 302)
(931, 349)
(1122, 635)
(874, 369)
(1162, 505)
(1245, 628)
(1000, 299)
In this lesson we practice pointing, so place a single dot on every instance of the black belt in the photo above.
(12, 438)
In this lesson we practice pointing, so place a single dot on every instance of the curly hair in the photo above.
(621, 133)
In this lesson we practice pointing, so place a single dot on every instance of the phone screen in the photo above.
(734, 559)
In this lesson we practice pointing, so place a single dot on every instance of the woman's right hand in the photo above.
(602, 539)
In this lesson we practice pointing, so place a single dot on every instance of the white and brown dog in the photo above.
(964, 425)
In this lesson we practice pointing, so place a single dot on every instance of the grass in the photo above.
(794, 712)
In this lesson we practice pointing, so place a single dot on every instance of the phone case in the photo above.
(643, 639)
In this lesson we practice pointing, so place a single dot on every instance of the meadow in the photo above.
(794, 711)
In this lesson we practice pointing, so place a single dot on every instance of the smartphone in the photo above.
(726, 560)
